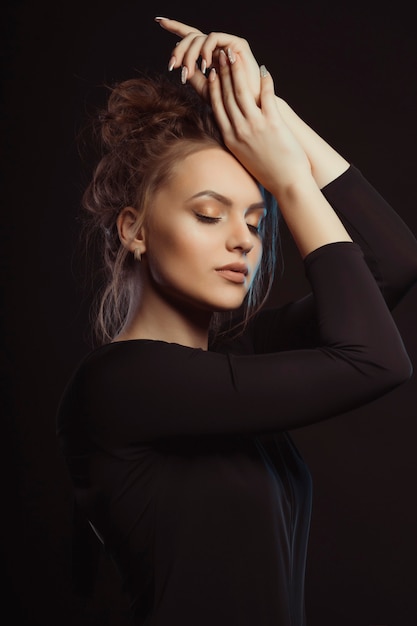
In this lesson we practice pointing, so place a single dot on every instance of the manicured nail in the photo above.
(203, 66)
(222, 58)
(212, 75)
(231, 56)
(184, 74)
(159, 19)
(263, 71)
(171, 64)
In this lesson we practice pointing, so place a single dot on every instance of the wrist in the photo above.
(298, 190)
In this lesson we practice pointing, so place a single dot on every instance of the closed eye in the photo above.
(207, 218)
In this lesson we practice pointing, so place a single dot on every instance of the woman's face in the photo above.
(202, 242)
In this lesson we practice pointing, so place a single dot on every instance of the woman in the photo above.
(175, 428)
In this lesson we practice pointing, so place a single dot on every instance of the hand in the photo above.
(256, 134)
(196, 45)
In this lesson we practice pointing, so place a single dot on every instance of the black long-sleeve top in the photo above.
(181, 459)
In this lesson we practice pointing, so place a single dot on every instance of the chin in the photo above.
(224, 307)
(220, 304)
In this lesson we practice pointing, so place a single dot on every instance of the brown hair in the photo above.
(148, 123)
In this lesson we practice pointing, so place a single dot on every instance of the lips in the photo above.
(234, 272)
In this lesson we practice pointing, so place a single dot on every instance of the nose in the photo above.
(240, 237)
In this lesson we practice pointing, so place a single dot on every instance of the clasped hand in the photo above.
(243, 101)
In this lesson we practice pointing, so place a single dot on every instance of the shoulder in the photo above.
(125, 382)
(121, 366)
(116, 361)
(115, 372)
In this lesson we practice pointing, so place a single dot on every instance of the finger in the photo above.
(192, 53)
(175, 27)
(228, 92)
(216, 41)
(209, 45)
(224, 40)
(217, 104)
(268, 102)
(241, 88)
(189, 51)
(191, 41)
(197, 46)
(187, 33)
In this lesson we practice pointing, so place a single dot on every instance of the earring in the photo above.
(137, 255)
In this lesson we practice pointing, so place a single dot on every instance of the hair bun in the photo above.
(143, 107)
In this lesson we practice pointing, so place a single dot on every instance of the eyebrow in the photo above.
(224, 200)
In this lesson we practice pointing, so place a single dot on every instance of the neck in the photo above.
(163, 319)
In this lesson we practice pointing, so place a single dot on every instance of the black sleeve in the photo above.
(390, 251)
(389, 246)
(140, 391)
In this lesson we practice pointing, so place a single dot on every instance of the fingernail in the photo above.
(222, 58)
(184, 74)
(231, 55)
(212, 75)
(263, 71)
(203, 66)
(171, 64)
(158, 19)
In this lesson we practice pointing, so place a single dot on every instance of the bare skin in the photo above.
(284, 154)
(176, 294)
(326, 163)
(200, 249)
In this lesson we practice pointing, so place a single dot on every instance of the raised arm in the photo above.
(255, 131)
(389, 246)
(259, 138)
(326, 163)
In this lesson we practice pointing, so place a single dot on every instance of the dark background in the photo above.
(351, 73)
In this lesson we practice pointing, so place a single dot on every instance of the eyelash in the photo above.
(214, 220)
(207, 218)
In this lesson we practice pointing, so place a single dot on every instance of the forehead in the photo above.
(213, 168)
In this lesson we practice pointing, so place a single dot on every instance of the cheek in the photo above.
(169, 251)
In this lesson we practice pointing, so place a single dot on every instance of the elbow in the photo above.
(397, 288)
(391, 357)
(398, 370)
(385, 367)
(405, 371)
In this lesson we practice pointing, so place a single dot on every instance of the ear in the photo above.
(130, 237)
